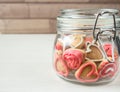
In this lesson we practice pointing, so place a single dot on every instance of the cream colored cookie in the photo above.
(78, 41)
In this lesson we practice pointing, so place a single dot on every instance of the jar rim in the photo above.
(85, 13)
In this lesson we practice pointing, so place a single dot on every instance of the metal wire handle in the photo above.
(100, 32)
(114, 23)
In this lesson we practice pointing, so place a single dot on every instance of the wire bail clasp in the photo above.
(96, 36)
(100, 32)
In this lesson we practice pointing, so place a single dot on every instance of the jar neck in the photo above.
(85, 19)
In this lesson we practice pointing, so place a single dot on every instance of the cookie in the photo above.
(107, 69)
(88, 39)
(78, 41)
(59, 47)
(94, 53)
(61, 67)
(108, 49)
(87, 72)
(73, 58)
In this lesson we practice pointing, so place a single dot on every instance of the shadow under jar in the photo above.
(85, 49)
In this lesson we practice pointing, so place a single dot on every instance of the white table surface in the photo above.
(26, 66)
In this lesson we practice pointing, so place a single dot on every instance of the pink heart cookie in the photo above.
(59, 48)
(87, 72)
(60, 66)
(107, 69)
(108, 49)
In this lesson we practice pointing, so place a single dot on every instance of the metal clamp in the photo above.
(96, 37)
(114, 23)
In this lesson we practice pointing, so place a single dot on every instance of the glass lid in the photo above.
(86, 13)
(82, 19)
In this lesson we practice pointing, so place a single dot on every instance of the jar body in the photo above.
(79, 57)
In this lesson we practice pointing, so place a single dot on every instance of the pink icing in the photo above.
(108, 49)
(88, 39)
(73, 58)
(58, 46)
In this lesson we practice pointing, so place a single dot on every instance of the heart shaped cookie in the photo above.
(93, 53)
(59, 47)
(61, 67)
(87, 72)
(107, 69)
(108, 49)
(78, 41)
(88, 39)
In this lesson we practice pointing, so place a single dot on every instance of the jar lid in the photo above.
(88, 13)
(85, 19)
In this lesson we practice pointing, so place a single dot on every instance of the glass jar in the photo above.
(85, 48)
